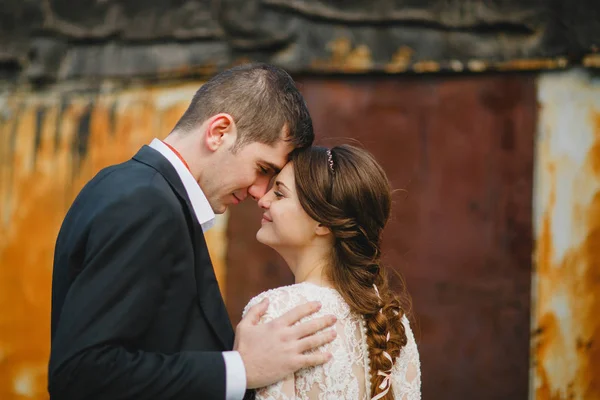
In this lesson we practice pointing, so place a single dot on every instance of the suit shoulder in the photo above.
(124, 187)
(129, 179)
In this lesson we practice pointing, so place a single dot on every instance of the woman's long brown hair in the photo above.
(346, 190)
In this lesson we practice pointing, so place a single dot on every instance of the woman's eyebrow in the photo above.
(279, 183)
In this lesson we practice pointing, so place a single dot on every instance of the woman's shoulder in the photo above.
(285, 298)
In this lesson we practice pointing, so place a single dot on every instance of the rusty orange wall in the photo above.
(566, 290)
(50, 145)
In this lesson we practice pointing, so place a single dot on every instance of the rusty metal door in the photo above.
(461, 230)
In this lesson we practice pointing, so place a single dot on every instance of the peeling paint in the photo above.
(51, 144)
(566, 292)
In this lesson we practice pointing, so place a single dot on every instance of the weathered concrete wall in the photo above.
(50, 145)
(566, 291)
(58, 39)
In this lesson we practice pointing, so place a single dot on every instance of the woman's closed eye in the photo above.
(278, 194)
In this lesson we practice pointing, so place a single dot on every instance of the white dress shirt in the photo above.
(235, 372)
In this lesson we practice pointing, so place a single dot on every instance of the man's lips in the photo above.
(236, 200)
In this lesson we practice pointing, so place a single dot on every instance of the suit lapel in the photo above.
(209, 295)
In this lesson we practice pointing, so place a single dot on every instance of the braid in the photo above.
(366, 290)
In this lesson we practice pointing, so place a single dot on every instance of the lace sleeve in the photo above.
(407, 374)
(335, 379)
(281, 300)
(282, 390)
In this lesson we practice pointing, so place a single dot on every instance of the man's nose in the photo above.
(258, 190)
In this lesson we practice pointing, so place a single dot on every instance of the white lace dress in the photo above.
(345, 376)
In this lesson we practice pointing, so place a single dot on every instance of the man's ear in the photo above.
(218, 130)
(322, 230)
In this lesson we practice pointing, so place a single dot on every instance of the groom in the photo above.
(136, 310)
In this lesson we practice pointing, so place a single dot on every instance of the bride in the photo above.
(325, 215)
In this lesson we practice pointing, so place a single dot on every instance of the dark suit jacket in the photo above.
(136, 310)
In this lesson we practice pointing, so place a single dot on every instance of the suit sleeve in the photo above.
(131, 247)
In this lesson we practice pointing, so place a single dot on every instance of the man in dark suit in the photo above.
(136, 310)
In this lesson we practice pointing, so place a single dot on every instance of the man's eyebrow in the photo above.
(274, 167)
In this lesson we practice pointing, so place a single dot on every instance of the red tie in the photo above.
(178, 155)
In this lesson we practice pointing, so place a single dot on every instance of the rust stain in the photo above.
(595, 151)
(544, 246)
(426, 66)
(592, 61)
(186, 71)
(566, 334)
(41, 170)
(533, 64)
(345, 58)
(348, 59)
(567, 348)
(400, 60)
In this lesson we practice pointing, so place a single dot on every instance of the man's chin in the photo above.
(219, 208)
(223, 209)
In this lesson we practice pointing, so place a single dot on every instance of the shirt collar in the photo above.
(202, 209)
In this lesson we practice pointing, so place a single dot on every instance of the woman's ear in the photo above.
(219, 127)
(322, 230)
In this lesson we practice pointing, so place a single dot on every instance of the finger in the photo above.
(299, 312)
(256, 312)
(315, 341)
(314, 359)
(311, 327)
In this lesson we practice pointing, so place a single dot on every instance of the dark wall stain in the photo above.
(40, 115)
(82, 135)
(112, 115)
(12, 145)
(64, 104)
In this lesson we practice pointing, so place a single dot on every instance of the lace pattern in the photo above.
(346, 375)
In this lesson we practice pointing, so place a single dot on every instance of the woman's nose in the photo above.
(264, 202)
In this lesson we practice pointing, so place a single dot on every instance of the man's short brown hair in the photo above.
(263, 101)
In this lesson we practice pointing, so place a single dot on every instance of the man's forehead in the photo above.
(278, 155)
